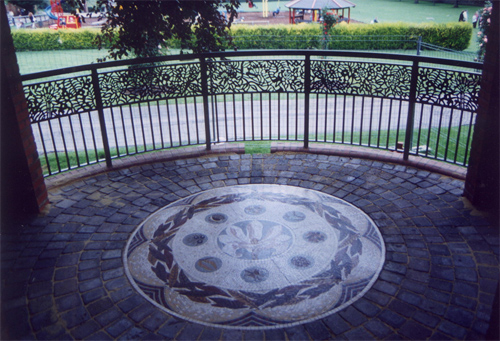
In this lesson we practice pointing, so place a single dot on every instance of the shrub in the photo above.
(48, 39)
(352, 36)
(302, 36)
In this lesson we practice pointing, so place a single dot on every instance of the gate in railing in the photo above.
(93, 113)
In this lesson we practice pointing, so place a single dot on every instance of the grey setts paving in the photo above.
(63, 276)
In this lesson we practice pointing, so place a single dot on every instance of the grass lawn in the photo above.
(389, 10)
(438, 143)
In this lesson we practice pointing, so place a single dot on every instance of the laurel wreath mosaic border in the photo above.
(167, 270)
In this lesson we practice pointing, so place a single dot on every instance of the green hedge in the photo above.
(48, 39)
(392, 36)
(352, 36)
(302, 36)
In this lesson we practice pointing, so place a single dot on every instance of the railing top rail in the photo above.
(256, 53)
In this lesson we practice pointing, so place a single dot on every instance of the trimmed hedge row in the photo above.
(400, 35)
(454, 36)
(47, 39)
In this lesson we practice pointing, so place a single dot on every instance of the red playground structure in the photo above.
(63, 21)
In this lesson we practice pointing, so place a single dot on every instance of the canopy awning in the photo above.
(319, 4)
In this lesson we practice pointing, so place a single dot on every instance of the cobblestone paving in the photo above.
(63, 276)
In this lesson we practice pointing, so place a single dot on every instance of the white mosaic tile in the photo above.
(255, 256)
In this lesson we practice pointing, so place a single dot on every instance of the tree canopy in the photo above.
(29, 5)
(141, 27)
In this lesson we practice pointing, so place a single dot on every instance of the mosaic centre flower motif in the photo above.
(255, 239)
(255, 256)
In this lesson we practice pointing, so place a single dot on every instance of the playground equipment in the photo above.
(66, 21)
(265, 8)
(55, 11)
(51, 15)
(55, 8)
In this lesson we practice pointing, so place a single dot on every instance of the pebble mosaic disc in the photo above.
(255, 256)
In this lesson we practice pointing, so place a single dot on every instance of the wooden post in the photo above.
(482, 184)
(23, 185)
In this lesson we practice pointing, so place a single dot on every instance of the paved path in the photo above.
(63, 276)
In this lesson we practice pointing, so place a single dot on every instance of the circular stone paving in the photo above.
(255, 256)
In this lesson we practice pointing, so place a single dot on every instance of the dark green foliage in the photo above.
(29, 5)
(303, 36)
(47, 39)
(484, 27)
(141, 27)
(394, 36)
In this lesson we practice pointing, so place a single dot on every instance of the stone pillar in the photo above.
(22, 184)
(482, 181)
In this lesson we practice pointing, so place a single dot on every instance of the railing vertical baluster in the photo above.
(179, 133)
(84, 138)
(234, 119)
(431, 114)
(225, 120)
(63, 138)
(169, 123)
(153, 140)
(326, 118)
(317, 118)
(387, 146)
(42, 138)
(113, 123)
(188, 127)
(204, 94)
(279, 116)
(411, 110)
(380, 119)
(100, 112)
(270, 118)
(52, 139)
(419, 45)
(196, 120)
(125, 139)
(159, 124)
(307, 91)
(74, 141)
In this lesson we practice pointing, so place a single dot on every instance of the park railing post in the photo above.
(419, 45)
(307, 90)
(411, 110)
(204, 94)
(100, 113)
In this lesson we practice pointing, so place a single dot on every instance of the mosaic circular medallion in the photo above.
(255, 256)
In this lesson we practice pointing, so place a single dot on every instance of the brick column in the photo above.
(22, 186)
(482, 181)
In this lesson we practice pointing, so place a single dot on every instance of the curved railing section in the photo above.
(411, 104)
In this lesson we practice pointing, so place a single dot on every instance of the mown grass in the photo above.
(442, 145)
(258, 147)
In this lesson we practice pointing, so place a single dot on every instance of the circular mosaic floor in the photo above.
(255, 256)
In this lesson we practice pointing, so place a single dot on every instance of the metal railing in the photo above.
(94, 113)
(447, 53)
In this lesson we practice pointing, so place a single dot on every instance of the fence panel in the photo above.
(111, 110)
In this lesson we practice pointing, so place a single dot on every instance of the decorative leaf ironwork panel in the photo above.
(448, 88)
(150, 83)
(357, 78)
(256, 76)
(59, 98)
